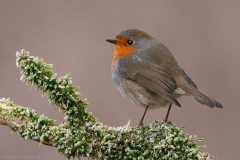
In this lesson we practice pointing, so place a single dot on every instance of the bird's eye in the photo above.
(130, 42)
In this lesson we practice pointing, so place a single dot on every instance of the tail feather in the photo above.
(200, 97)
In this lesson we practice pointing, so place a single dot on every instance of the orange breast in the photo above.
(122, 49)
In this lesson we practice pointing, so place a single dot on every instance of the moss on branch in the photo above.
(82, 135)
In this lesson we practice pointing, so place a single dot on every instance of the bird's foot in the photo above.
(166, 121)
(140, 124)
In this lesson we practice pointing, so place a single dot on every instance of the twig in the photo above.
(82, 135)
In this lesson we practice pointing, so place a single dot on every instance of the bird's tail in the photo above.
(200, 97)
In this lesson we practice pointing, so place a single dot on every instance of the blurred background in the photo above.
(203, 36)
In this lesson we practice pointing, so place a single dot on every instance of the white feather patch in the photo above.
(179, 91)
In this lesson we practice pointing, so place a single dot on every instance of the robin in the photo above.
(146, 73)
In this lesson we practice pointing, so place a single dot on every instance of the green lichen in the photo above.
(82, 135)
(60, 91)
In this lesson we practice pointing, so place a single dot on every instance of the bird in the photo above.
(145, 72)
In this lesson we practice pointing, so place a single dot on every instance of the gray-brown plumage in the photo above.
(146, 73)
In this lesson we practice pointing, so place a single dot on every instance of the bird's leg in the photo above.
(169, 108)
(141, 122)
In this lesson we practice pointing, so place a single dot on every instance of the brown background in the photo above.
(203, 36)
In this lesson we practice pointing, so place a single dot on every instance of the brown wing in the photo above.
(188, 79)
(153, 78)
(199, 96)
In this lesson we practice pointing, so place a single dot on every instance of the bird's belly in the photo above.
(138, 94)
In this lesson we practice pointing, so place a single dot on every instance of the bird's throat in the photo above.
(120, 51)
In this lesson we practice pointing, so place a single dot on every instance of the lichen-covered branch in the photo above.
(82, 135)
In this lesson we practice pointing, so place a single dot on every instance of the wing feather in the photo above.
(153, 78)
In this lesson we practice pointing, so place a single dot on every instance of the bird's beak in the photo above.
(112, 41)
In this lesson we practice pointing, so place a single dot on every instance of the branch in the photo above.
(82, 135)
